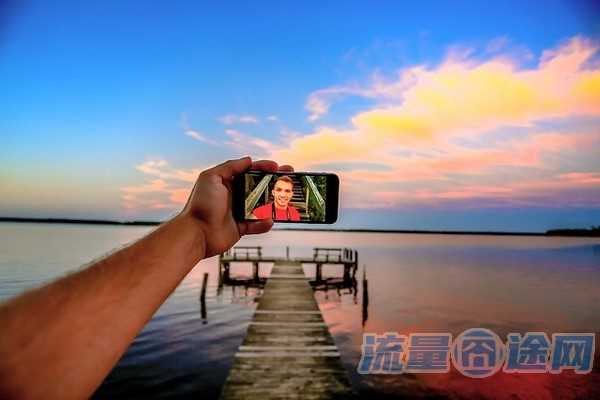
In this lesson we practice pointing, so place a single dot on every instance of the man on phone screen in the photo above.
(280, 209)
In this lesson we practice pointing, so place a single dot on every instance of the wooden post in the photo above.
(220, 284)
(365, 297)
(204, 282)
(318, 274)
(203, 298)
(347, 273)
(226, 277)
(220, 280)
(255, 271)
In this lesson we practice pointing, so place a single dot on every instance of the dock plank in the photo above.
(288, 351)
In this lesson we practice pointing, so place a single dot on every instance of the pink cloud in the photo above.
(165, 187)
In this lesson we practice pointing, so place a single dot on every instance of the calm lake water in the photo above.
(416, 283)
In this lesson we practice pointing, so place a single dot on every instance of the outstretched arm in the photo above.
(61, 340)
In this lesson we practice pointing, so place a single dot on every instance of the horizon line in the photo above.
(579, 232)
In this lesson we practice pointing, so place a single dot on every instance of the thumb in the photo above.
(255, 227)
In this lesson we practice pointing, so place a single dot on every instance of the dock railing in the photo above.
(251, 254)
(255, 195)
(243, 253)
(314, 199)
(346, 257)
(328, 254)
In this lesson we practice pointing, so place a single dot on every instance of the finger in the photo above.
(233, 167)
(286, 168)
(255, 227)
(264, 165)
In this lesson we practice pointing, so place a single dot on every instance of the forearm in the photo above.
(60, 341)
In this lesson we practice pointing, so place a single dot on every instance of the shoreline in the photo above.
(550, 233)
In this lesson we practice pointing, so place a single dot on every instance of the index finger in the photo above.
(286, 168)
(264, 165)
(232, 167)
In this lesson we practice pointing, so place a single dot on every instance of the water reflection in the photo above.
(414, 283)
(246, 294)
(439, 291)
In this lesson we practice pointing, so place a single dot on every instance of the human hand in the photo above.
(210, 204)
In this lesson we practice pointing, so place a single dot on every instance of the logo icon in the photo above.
(478, 353)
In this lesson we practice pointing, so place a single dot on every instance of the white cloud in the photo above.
(231, 119)
(193, 133)
(319, 102)
(250, 144)
(199, 137)
(379, 88)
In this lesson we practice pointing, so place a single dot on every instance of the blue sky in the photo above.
(92, 93)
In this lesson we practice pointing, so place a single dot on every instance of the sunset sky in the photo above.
(458, 115)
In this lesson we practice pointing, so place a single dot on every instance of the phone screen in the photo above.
(290, 197)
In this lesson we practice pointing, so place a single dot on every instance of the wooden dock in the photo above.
(288, 352)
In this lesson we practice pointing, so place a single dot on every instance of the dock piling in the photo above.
(203, 298)
(204, 282)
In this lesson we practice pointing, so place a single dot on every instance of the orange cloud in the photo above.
(423, 121)
(463, 97)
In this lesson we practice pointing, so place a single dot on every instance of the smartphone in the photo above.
(295, 197)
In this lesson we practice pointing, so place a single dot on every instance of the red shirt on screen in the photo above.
(265, 211)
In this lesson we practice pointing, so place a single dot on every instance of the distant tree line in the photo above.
(594, 231)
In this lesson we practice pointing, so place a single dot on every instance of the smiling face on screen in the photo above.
(282, 192)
